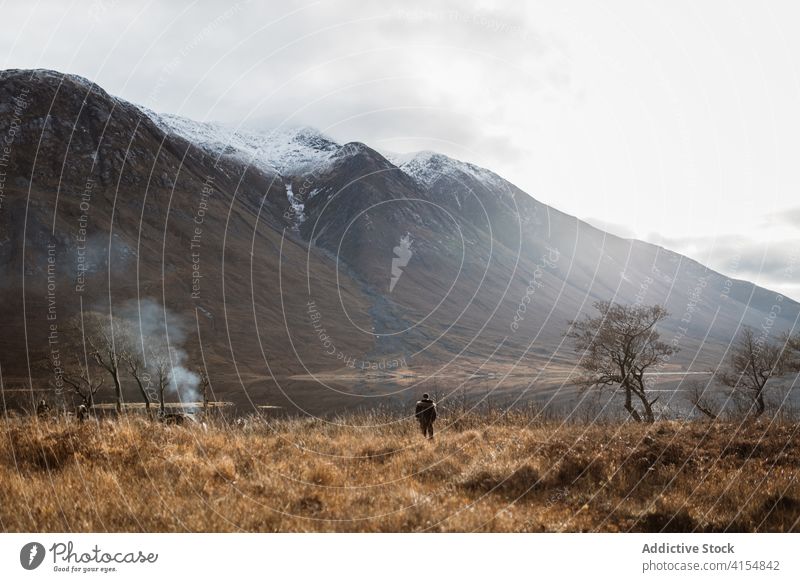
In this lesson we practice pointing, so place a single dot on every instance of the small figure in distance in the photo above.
(42, 409)
(426, 414)
(83, 413)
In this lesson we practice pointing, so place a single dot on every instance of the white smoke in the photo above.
(153, 322)
(184, 382)
(157, 328)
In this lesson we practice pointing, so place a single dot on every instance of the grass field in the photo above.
(374, 472)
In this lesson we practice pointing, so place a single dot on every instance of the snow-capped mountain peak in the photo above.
(301, 150)
(285, 151)
(427, 167)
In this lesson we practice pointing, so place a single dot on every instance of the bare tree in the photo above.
(754, 359)
(205, 384)
(77, 375)
(618, 347)
(162, 370)
(791, 352)
(698, 395)
(136, 365)
(108, 341)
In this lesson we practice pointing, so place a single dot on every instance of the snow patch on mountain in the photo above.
(297, 206)
(286, 151)
(428, 167)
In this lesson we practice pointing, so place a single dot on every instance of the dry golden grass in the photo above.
(482, 473)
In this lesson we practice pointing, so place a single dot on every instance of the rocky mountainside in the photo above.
(283, 253)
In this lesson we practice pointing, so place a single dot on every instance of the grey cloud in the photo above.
(789, 216)
(773, 264)
(265, 64)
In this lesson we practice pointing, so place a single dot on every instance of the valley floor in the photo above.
(375, 472)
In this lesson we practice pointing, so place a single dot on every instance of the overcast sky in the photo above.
(674, 121)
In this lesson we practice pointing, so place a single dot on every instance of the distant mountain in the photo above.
(285, 253)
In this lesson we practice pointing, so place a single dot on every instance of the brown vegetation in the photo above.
(375, 472)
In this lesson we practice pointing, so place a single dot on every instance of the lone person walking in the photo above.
(42, 409)
(426, 414)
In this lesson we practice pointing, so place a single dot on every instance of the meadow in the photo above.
(373, 472)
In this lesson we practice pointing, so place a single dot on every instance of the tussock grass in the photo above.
(375, 472)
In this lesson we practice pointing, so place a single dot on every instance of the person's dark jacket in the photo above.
(426, 411)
